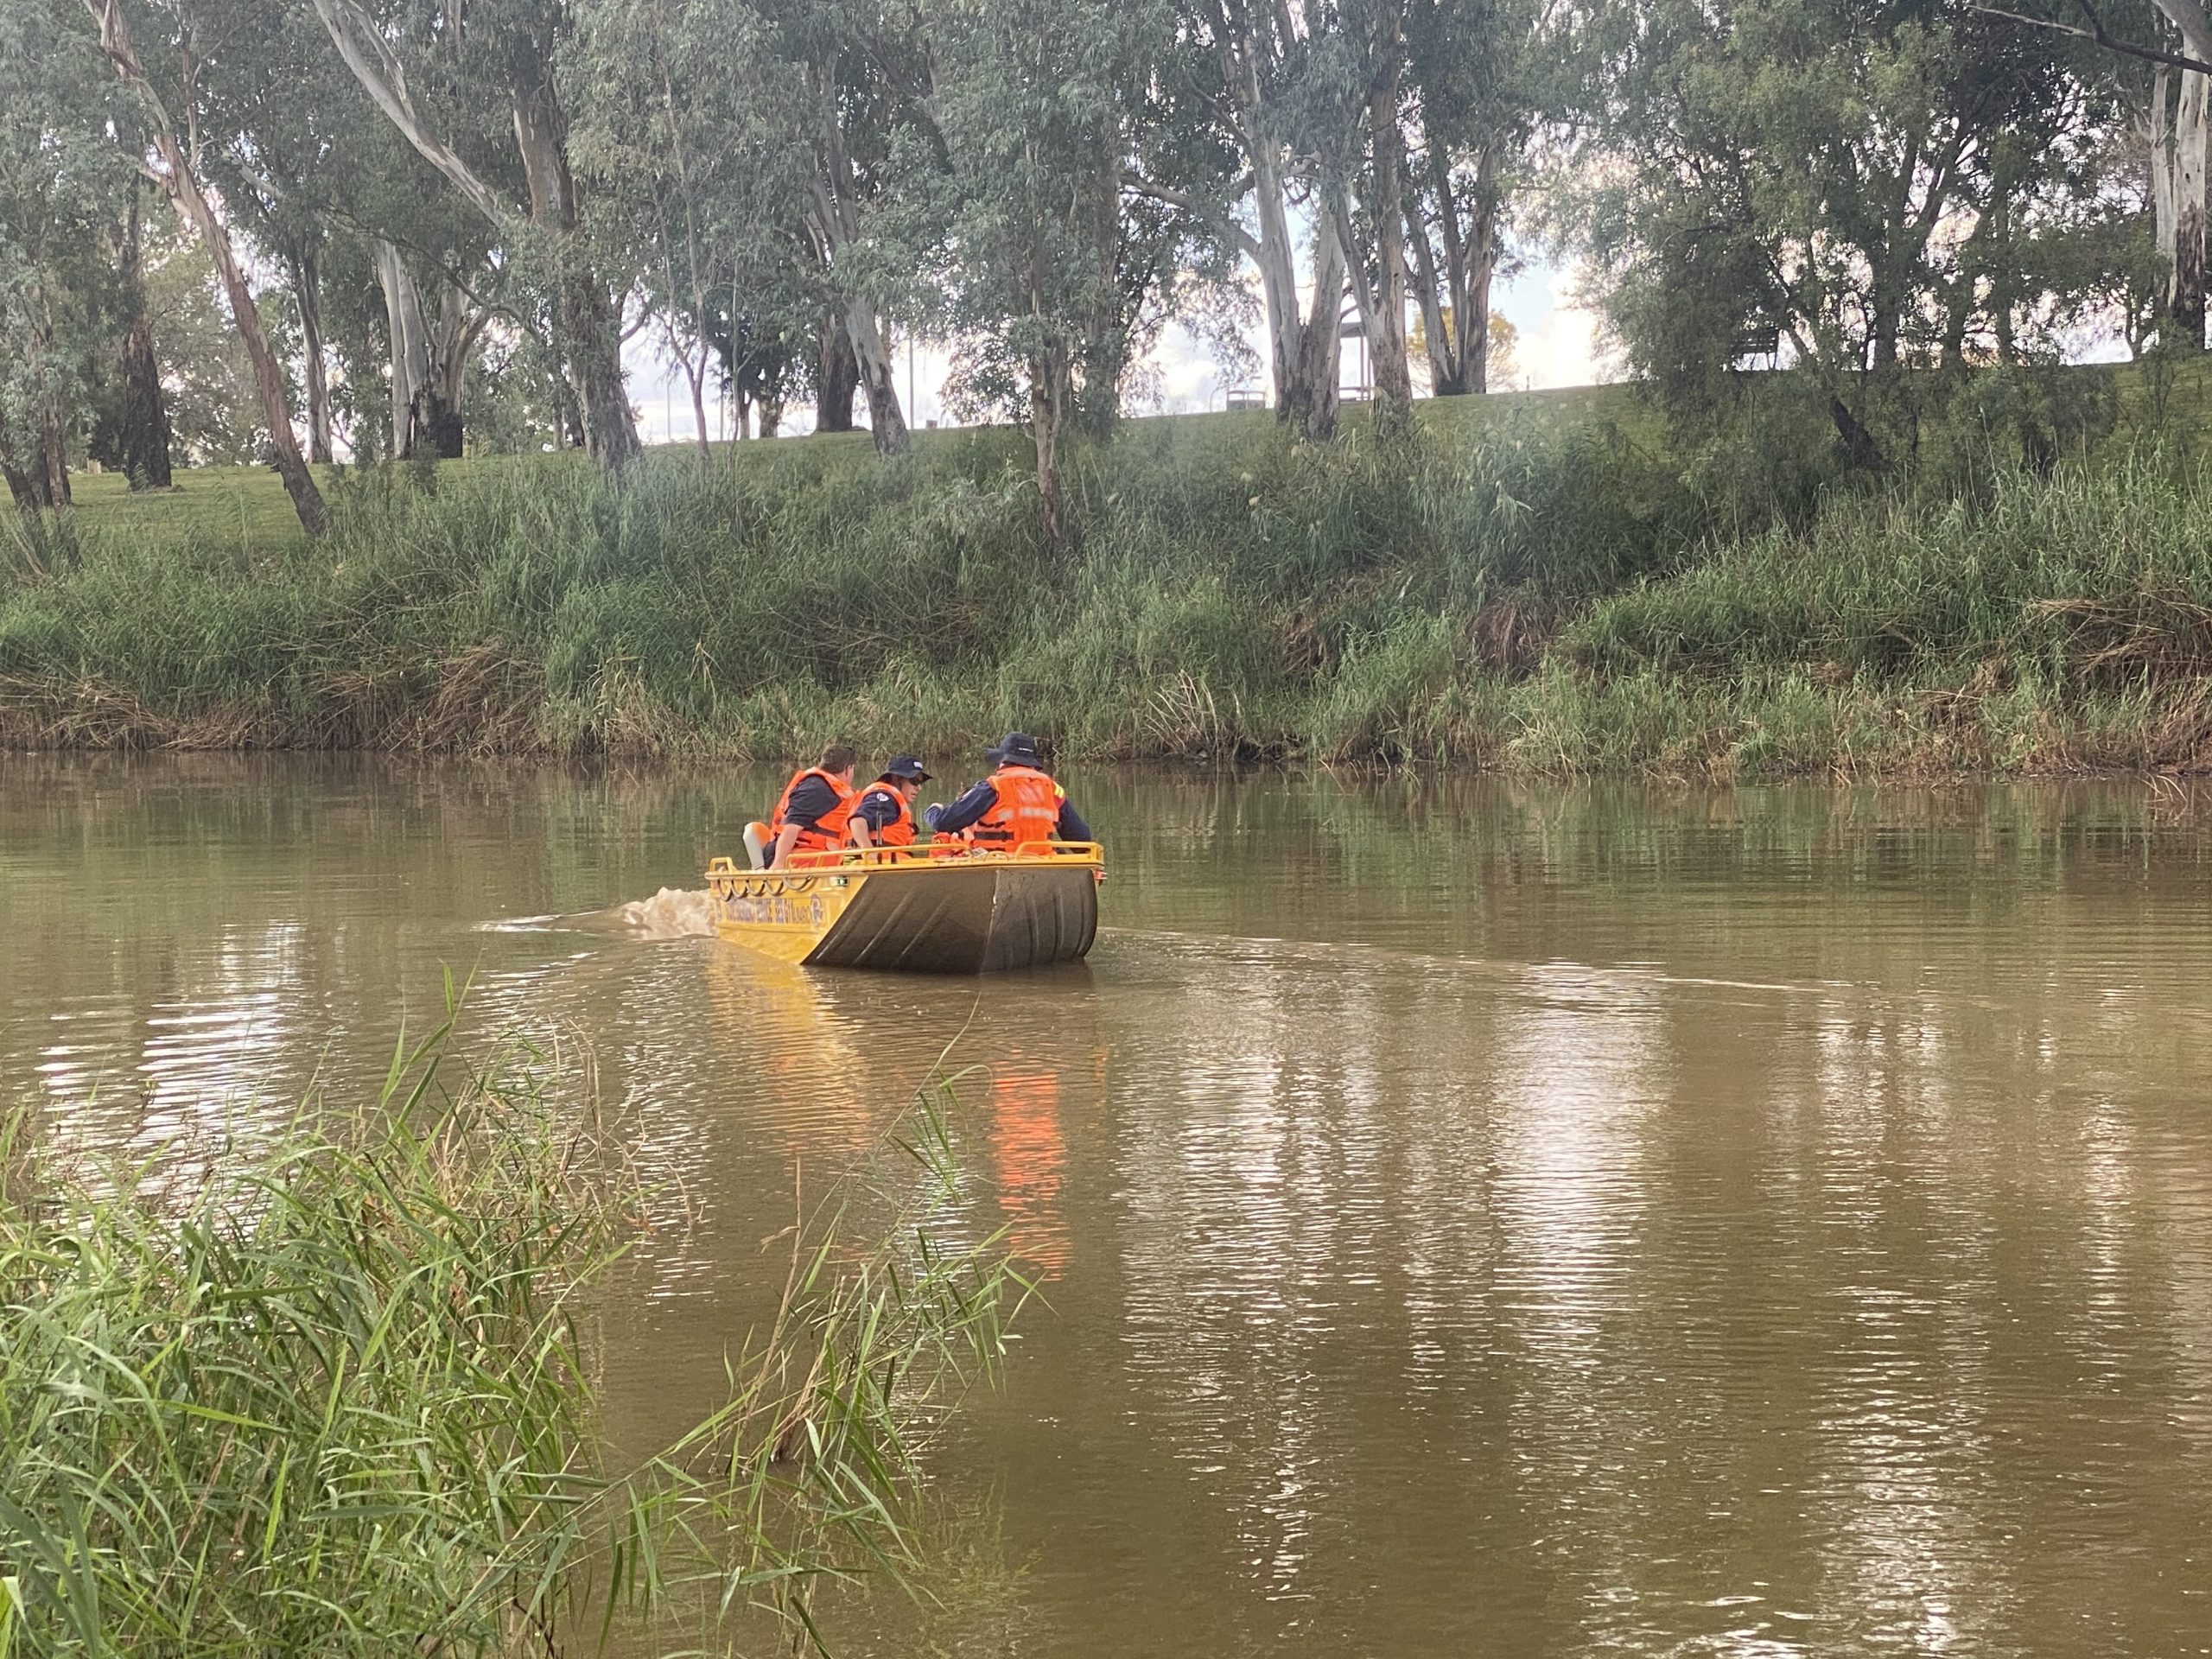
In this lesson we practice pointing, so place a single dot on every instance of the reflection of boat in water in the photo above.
(809, 1066)
(834, 1061)
(1029, 1154)
(934, 909)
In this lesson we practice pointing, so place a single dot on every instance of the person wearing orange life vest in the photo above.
(815, 812)
(885, 807)
(1019, 803)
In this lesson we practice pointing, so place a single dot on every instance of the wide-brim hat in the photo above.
(1017, 746)
(906, 769)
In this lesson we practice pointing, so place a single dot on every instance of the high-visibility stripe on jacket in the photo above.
(827, 831)
(1027, 808)
(900, 832)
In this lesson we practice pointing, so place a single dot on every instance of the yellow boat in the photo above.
(940, 908)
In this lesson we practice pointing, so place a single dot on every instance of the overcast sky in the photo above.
(1558, 346)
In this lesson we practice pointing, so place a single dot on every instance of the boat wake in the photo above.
(1555, 979)
(671, 913)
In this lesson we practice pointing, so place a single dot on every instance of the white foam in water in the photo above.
(671, 913)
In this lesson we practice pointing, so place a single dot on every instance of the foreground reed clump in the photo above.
(338, 1396)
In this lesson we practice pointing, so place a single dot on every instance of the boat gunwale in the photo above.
(842, 866)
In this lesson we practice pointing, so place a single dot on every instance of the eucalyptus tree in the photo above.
(343, 209)
(1783, 175)
(212, 403)
(2055, 233)
(438, 276)
(166, 112)
(2179, 147)
(2176, 133)
(57, 178)
(1168, 266)
(760, 363)
(1250, 95)
(1485, 77)
(142, 430)
(248, 147)
(1031, 106)
(279, 134)
(712, 200)
(833, 373)
(839, 85)
(1370, 165)
(2150, 44)
(439, 75)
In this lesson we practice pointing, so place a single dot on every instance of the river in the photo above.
(1477, 1217)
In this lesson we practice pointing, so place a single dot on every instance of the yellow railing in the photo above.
(830, 861)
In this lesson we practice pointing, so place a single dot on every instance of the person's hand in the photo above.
(930, 813)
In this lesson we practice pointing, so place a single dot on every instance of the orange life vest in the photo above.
(900, 832)
(1027, 808)
(826, 832)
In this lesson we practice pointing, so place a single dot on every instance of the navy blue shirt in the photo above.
(970, 808)
(808, 802)
(878, 809)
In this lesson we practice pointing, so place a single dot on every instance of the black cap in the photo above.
(1018, 747)
(905, 768)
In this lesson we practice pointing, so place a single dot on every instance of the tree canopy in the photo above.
(401, 230)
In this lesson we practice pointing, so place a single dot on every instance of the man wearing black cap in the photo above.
(886, 806)
(1017, 804)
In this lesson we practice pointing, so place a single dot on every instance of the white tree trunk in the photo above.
(2179, 209)
(1304, 365)
(2159, 139)
(461, 322)
(429, 362)
(835, 229)
(410, 337)
(1386, 331)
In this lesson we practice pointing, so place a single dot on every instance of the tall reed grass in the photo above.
(531, 606)
(336, 1394)
(1526, 593)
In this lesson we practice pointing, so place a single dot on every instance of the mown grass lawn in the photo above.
(247, 506)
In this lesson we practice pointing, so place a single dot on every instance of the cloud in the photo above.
(1561, 342)
(1185, 377)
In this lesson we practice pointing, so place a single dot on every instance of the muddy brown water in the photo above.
(1477, 1217)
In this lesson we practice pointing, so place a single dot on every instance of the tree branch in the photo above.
(1243, 239)
(357, 39)
(2097, 34)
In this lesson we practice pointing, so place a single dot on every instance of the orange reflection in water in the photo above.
(827, 1057)
(1029, 1154)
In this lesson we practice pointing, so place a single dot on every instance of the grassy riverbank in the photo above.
(1538, 583)
(330, 1388)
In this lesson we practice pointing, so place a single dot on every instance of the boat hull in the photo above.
(966, 916)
